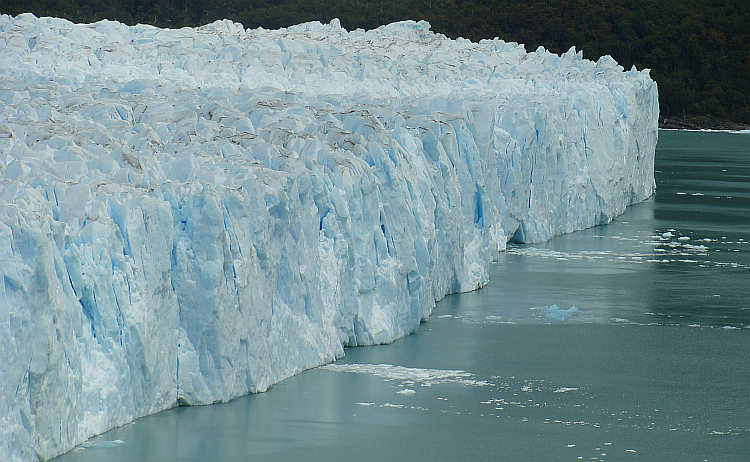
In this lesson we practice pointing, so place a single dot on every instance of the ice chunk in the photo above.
(555, 313)
(406, 391)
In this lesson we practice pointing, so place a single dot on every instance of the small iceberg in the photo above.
(555, 313)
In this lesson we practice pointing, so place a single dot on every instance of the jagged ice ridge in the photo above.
(190, 215)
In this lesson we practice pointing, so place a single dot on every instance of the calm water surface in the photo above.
(651, 364)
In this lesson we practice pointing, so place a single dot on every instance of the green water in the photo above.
(653, 365)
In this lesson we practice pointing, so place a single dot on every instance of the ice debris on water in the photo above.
(424, 377)
(564, 389)
(555, 313)
(190, 215)
(104, 444)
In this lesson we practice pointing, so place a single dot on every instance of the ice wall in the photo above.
(191, 215)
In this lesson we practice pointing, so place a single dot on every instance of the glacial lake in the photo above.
(651, 364)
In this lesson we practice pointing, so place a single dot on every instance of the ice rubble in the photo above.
(191, 215)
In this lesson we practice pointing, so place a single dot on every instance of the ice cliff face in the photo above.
(191, 215)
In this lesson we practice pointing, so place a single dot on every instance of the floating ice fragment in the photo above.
(103, 444)
(667, 235)
(555, 313)
(498, 319)
(406, 391)
(564, 389)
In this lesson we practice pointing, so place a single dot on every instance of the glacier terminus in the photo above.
(191, 215)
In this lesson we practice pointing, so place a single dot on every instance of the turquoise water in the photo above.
(651, 364)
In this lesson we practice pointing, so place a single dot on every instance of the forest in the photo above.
(698, 50)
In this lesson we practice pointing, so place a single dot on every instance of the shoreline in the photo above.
(701, 123)
(705, 130)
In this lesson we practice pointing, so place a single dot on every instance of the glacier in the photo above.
(187, 216)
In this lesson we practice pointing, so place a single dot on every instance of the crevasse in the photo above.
(190, 215)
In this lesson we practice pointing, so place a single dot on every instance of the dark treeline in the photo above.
(698, 50)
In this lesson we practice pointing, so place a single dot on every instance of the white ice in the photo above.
(190, 215)
(424, 377)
